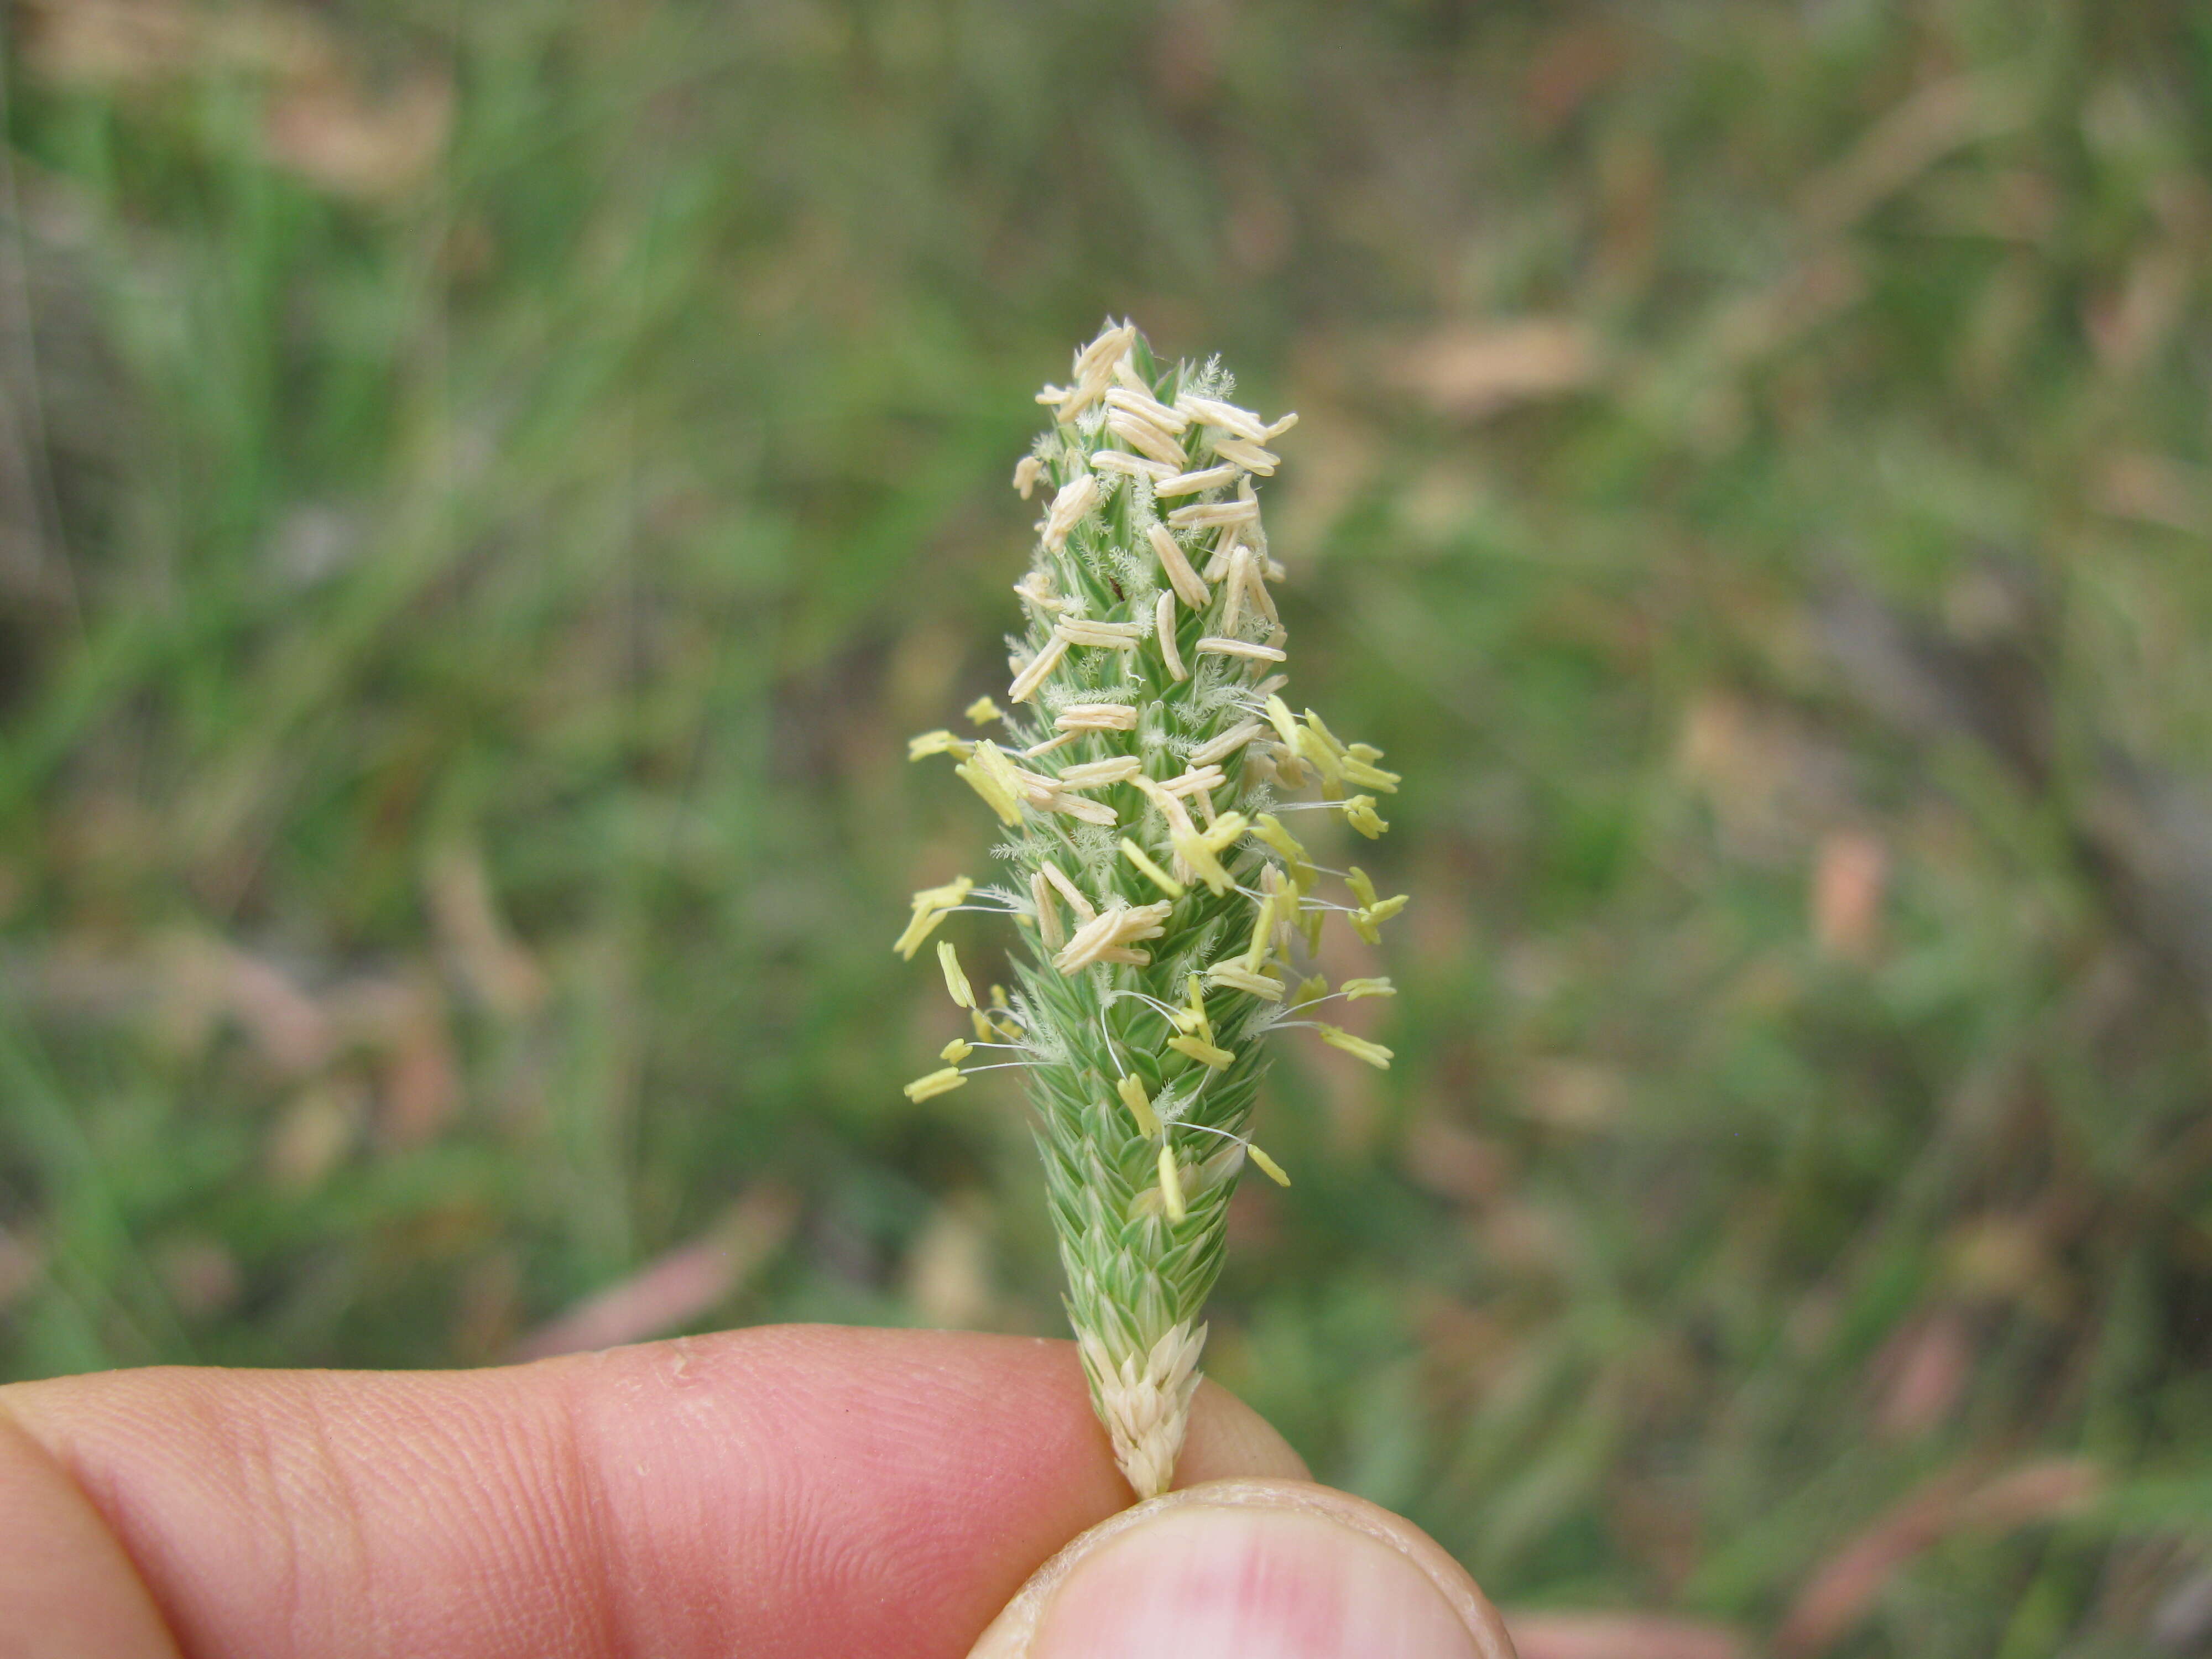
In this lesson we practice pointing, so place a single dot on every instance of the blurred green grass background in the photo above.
(485, 489)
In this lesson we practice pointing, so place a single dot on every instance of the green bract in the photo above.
(1144, 776)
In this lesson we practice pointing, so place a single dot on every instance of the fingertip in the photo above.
(65, 1583)
(1228, 1440)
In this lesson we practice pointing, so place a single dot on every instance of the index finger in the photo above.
(787, 1491)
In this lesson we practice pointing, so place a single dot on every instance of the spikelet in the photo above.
(1161, 900)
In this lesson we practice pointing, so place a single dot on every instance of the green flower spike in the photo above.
(1143, 774)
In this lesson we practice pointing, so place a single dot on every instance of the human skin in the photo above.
(801, 1490)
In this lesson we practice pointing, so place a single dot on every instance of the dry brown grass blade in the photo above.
(1851, 879)
(22, 1265)
(2156, 489)
(1921, 1373)
(1905, 143)
(1471, 370)
(1759, 323)
(337, 135)
(325, 122)
(1622, 1636)
(496, 969)
(104, 44)
(681, 1286)
(948, 1270)
(197, 977)
(1959, 1499)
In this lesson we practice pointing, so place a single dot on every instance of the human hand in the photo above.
(790, 1491)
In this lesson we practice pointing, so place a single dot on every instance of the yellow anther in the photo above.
(1192, 1021)
(982, 711)
(992, 761)
(1358, 1047)
(991, 776)
(1140, 1109)
(1360, 812)
(1287, 733)
(1263, 931)
(956, 1051)
(1171, 1185)
(956, 981)
(1192, 850)
(1313, 749)
(1372, 777)
(953, 892)
(1314, 725)
(917, 929)
(1367, 920)
(1319, 751)
(1354, 989)
(1234, 977)
(1311, 989)
(939, 742)
(1216, 1058)
(1226, 831)
(1269, 1167)
(937, 1083)
(929, 908)
(997, 798)
(1363, 889)
(1006, 1027)
(1268, 829)
(1160, 878)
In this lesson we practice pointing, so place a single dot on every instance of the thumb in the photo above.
(1256, 1569)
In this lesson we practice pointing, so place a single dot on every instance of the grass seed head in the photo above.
(1159, 898)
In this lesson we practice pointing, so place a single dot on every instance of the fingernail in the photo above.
(1256, 1569)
